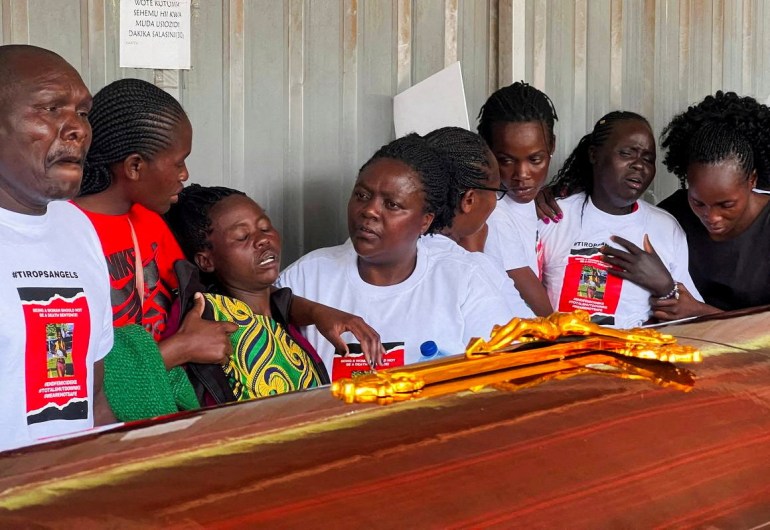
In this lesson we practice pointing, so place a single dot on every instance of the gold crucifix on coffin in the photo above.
(525, 352)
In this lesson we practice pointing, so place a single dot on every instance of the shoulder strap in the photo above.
(138, 268)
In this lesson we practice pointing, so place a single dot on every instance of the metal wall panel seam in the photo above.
(236, 96)
(747, 64)
(404, 58)
(494, 47)
(502, 19)
(578, 123)
(717, 36)
(294, 152)
(85, 38)
(19, 15)
(616, 54)
(97, 49)
(450, 32)
(539, 45)
(349, 104)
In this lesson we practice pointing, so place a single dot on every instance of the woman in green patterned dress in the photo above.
(236, 248)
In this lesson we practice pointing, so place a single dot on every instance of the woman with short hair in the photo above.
(720, 150)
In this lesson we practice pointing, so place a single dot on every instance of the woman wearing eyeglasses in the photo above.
(474, 189)
(517, 123)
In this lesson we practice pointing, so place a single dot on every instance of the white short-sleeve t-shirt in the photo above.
(55, 323)
(513, 238)
(575, 275)
(447, 299)
(489, 268)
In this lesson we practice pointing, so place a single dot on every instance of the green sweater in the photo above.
(136, 382)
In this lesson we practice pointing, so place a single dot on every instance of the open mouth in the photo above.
(635, 183)
(365, 232)
(268, 258)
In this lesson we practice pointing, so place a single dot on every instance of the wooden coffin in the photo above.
(588, 452)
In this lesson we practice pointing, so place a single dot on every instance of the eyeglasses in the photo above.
(499, 192)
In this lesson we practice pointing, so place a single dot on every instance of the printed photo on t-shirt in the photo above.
(593, 283)
(588, 286)
(58, 325)
(59, 349)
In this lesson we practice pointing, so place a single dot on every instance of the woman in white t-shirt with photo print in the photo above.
(612, 252)
(407, 291)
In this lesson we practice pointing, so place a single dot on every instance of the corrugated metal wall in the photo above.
(288, 98)
(654, 57)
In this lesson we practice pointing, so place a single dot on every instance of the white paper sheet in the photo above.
(155, 34)
(438, 101)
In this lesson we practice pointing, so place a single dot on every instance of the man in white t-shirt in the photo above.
(52, 271)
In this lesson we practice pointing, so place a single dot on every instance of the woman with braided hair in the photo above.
(134, 172)
(405, 289)
(600, 257)
(474, 190)
(517, 123)
(720, 150)
(231, 240)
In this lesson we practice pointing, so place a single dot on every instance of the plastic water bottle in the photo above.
(429, 350)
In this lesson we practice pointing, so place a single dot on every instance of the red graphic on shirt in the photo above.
(589, 286)
(355, 363)
(58, 327)
(540, 254)
(126, 305)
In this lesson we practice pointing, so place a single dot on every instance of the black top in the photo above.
(733, 274)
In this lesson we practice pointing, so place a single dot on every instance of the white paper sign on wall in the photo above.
(155, 34)
(438, 101)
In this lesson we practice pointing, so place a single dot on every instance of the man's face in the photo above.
(44, 134)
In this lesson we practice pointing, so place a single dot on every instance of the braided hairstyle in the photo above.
(724, 126)
(189, 218)
(518, 103)
(577, 174)
(429, 165)
(128, 116)
(466, 152)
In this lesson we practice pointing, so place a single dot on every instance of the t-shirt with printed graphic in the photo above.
(575, 275)
(265, 361)
(513, 239)
(55, 323)
(159, 251)
(487, 266)
(446, 299)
